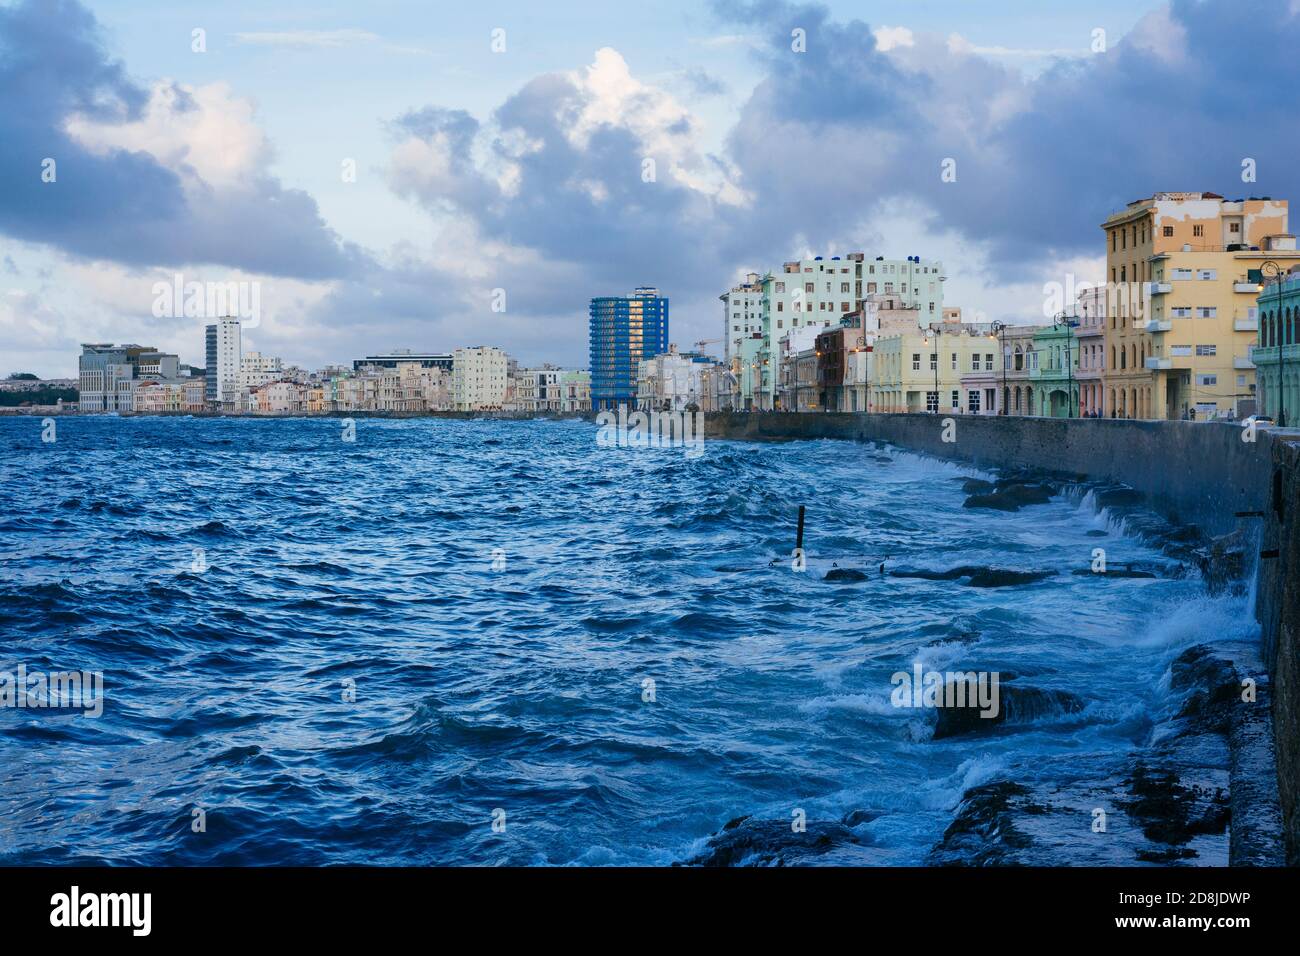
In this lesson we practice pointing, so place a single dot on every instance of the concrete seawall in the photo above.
(1193, 473)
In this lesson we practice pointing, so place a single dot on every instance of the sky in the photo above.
(434, 175)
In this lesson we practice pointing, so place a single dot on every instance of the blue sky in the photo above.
(521, 169)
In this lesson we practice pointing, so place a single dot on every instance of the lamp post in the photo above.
(934, 362)
(1062, 321)
(999, 330)
(1270, 268)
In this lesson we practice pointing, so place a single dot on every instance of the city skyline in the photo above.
(378, 214)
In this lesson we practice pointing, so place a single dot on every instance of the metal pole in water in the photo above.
(798, 540)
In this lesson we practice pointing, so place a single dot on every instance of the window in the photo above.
(956, 399)
(1180, 350)
(934, 361)
(1207, 275)
(780, 307)
(780, 287)
(1198, 230)
(974, 362)
(973, 401)
(1207, 380)
(988, 362)
(1234, 227)
(1168, 231)
(1206, 312)
(1181, 312)
(931, 401)
(1207, 350)
(808, 287)
(916, 361)
(844, 287)
(1179, 274)
(871, 287)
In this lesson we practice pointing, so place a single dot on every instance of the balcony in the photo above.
(1250, 287)
(1156, 362)
(1245, 325)
(1157, 288)
(1157, 325)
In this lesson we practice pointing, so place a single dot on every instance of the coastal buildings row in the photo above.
(136, 378)
(1196, 318)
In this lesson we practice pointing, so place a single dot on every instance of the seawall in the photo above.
(1190, 472)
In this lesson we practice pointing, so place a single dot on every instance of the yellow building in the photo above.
(907, 365)
(1180, 321)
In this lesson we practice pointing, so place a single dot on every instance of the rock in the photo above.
(983, 832)
(1020, 704)
(1169, 812)
(845, 575)
(977, 576)
(1011, 497)
(745, 841)
(1117, 497)
(976, 486)
(1223, 563)
(1120, 571)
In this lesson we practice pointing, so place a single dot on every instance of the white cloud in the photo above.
(205, 132)
(889, 38)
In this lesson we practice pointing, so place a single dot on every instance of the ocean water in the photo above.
(369, 651)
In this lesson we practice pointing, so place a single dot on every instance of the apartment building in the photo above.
(622, 332)
(671, 381)
(223, 350)
(1185, 268)
(1090, 312)
(479, 378)
(921, 370)
(108, 374)
(1277, 356)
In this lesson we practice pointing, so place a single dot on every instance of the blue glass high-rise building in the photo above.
(624, 330)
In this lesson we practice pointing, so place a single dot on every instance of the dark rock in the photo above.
(977, 576)
(1169, 812)
(1119, 571)
(1020, 704)
(1011, 497)
(1210, 682)
(1097, 533)
(1224, 564)
(976, 486)
(1001, 578)
(1117, 497)
(855, 818)
(845, 575)
(748, 842)
(983, 832)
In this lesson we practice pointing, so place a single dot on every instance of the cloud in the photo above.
(887, 38)
(848, 127)
(166, 175)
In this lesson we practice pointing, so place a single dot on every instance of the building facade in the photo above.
(1277, 354)
(1183, 269)
(107, 375)
(623, 332)
(479, 378)
(223, 353)
(1091, 336)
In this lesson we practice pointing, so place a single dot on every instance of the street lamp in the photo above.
(934, 362)
(1270, 268)
(1061, 320)
(999, 329)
